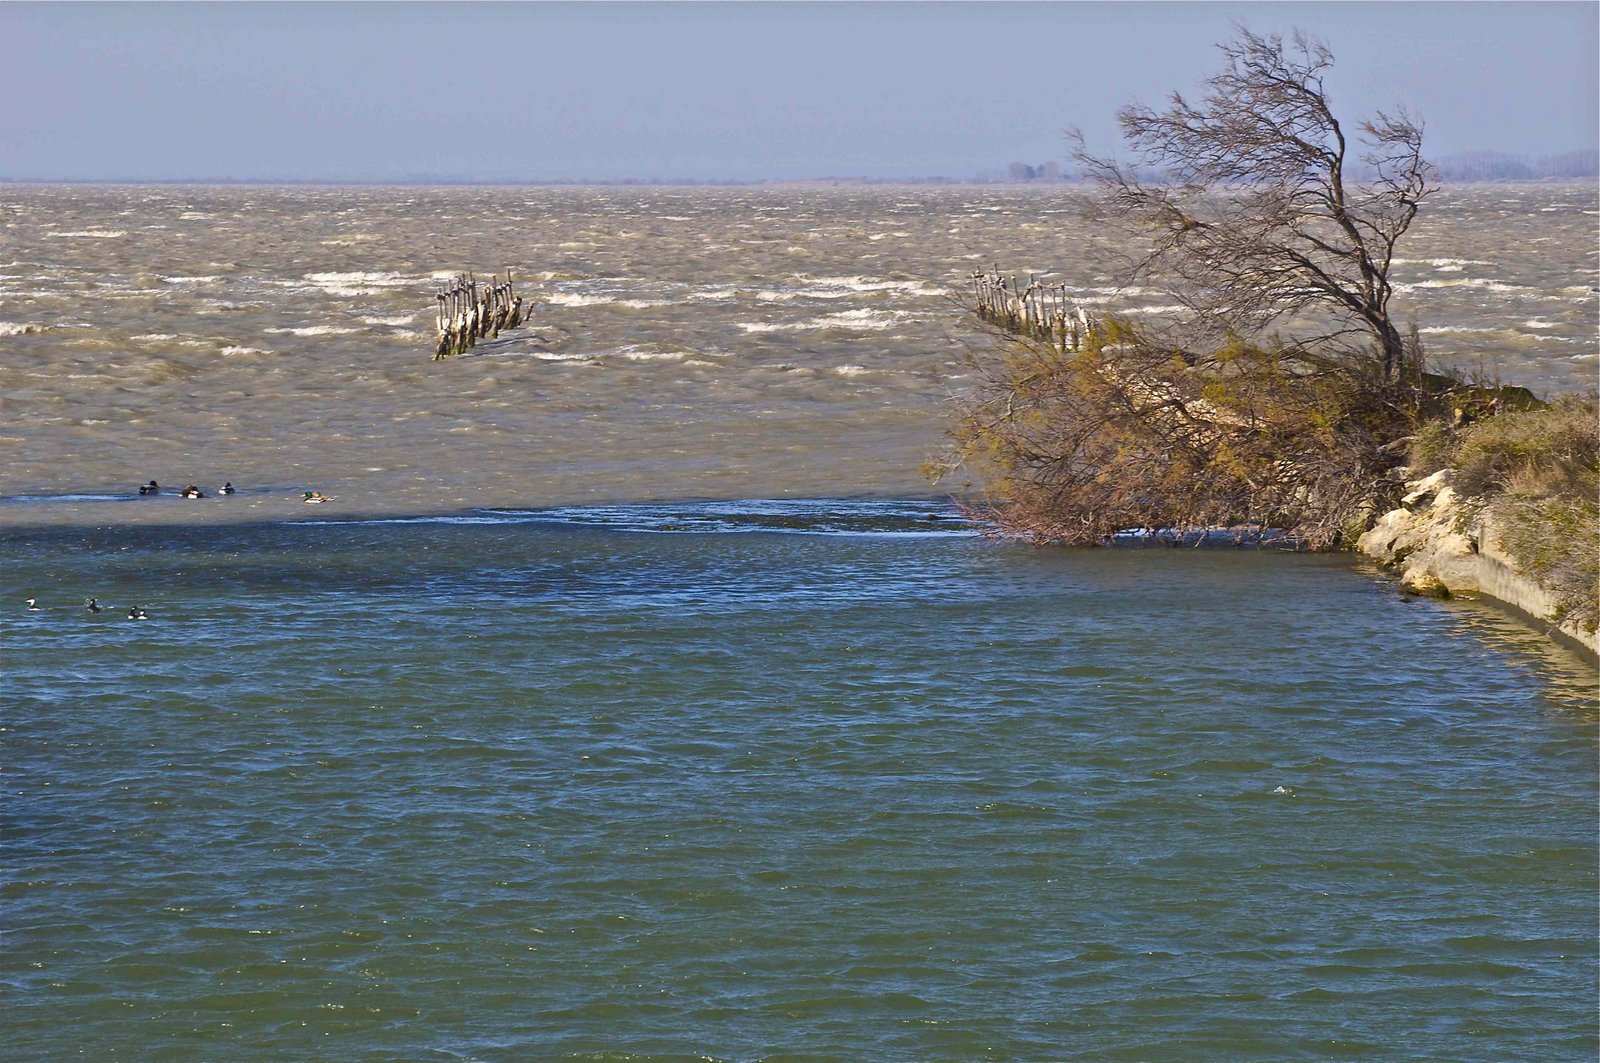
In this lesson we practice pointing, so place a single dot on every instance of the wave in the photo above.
(869, 320)
(17, 328)
(102, 234)
(899, 518)
(315, 330)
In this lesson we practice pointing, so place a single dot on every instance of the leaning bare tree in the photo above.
(1254, 211)
(1252, 219)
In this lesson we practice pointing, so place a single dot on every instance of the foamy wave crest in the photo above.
(577, 299)
(1440, 263)
(1434, 329)
(235, 351)
(314, 330)
(100, 234)
(396, 321)
(382, 280)
(191, 280)
(866, 319)
(862, 319)
(639, 355)
(1465, 282)
(878, 284)
(15, 328)
(360, 283)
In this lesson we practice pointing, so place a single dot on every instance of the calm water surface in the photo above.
(831, 781)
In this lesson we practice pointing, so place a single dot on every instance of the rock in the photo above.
(1444, 546)
(1423, 583)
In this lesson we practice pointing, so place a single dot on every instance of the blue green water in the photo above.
(830, 781)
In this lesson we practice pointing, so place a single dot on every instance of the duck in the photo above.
(136, 613)
(191, 491)
(227, 488)
(92, 605)
(314, 497)
(151, 488)
(33, 605)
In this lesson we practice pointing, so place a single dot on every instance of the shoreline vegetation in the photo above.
(1282, 395)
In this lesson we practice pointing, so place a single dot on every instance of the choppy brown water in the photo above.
(686, 342)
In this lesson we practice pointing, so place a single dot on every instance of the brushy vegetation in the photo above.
(1125, 433)
(1537, 472)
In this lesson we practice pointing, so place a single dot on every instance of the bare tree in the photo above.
(1248, 200)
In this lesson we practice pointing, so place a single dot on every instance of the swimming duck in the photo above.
(151, 488)
(136, 613)
(91, 605)
(314, 497)
(33, 606)
(191, 491)
(227, 488)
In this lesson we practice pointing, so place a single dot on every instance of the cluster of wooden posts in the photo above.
(468, 312)
(1039, 311)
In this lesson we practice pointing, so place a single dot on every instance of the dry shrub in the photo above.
(1126, 433)
(1534, 453)
(1538, 471)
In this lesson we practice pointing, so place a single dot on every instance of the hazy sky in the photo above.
(717, 91)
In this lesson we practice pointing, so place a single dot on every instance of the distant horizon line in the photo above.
(1465, 167)
(686, 182)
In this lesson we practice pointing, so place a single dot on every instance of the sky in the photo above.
(746, 91)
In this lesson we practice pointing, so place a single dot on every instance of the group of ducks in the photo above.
(92, 605)
(310, 498)
(189, 491)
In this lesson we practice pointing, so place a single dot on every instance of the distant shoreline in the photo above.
(771, 182)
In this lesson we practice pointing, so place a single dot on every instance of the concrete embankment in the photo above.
(1444, 546)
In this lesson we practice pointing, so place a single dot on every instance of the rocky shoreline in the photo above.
(1441, 545)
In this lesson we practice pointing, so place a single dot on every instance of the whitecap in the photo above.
(1464, 282)
(314, 330)
(877, 284)
(15, 328)
(399, 319)
(862, 319)
(577, 299)
(234, 351)
(386, 278)
(653, 356)
(102, 234)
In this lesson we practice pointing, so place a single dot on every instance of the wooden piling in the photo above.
(468, 312)
(1039, 311)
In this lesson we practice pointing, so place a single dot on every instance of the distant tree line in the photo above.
(1467, 166)
(1501, 166)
